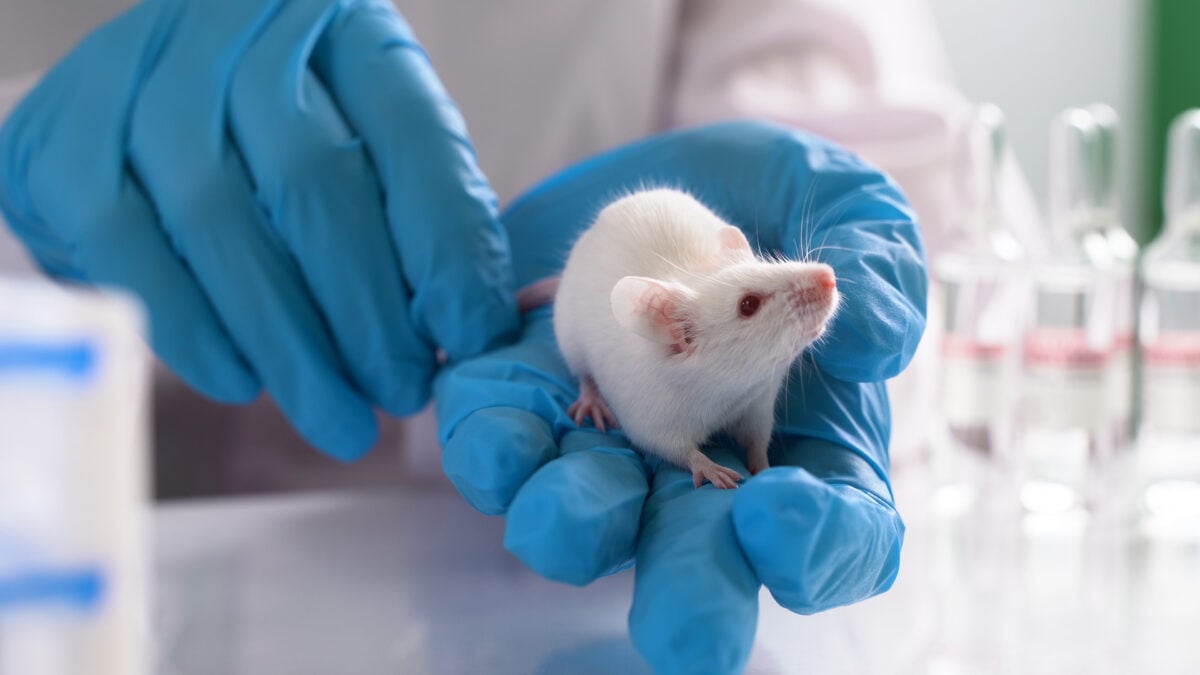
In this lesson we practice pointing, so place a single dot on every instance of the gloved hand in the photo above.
(820, 528)
(289, 189)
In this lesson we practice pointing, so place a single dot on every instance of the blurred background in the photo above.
(1031, 58)
(989, 584)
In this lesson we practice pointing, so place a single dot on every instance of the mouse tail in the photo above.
(537, 294)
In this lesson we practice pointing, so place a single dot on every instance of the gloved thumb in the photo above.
(817, 545)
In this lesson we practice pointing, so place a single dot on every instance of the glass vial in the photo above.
(1169, 324)
(1067, 431)
(977, 295)
(1121, 255)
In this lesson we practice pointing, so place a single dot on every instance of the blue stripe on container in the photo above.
(81, 589)
(74, 359)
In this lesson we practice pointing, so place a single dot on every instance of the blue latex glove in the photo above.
(819, 529)
(289, 189)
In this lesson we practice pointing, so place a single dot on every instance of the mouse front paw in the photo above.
(591, 404)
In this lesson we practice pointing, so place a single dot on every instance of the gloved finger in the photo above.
(576, 519)
(825, 531)
(695, 601)
(44, 245)
(860, 224)
(315, 179)
(198, 349)
(492, 452)
(205, 199)
(817, 545)
(50, 254)
(500, 415)
(453, 251)
(855, 417)
(92, 234)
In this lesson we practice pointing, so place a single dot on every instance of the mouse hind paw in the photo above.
(591, 404)
(704, 469)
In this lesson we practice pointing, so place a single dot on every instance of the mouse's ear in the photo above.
(733, 239)
(652, 309)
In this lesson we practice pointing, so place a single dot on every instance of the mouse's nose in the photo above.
(826, 280)
(813, 287)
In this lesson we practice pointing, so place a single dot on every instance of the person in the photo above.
(292, 191)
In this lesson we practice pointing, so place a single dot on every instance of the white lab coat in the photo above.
(545, 83)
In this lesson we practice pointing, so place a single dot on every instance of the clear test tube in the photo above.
(977, 295)
(73, 482)
(1066, 423)
(1168, 451)
(1122, 255)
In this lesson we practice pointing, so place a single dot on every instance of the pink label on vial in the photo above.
(1180, 349)
(963, 346)
(1063, 348)
(1123, 342)
(1171, 382)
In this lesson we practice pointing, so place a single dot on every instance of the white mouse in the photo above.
(676, 329)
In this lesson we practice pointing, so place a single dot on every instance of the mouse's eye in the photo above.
(748, 305)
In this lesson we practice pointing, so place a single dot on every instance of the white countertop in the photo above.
(414, 581)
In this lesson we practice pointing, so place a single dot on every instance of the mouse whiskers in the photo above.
(833, 211)
(824, 247)
(757, 234)
(806, 215)
(798, 370)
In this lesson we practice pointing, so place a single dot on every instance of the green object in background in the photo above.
(1174, 86)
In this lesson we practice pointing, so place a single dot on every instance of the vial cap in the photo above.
(1107, 123)
(987, 142)
(1181, 199)
(1080, 187)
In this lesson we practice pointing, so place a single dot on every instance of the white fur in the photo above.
(669, 401)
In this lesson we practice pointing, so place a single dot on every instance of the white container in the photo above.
(74, 501)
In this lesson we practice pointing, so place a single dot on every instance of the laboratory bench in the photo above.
(411, 580)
